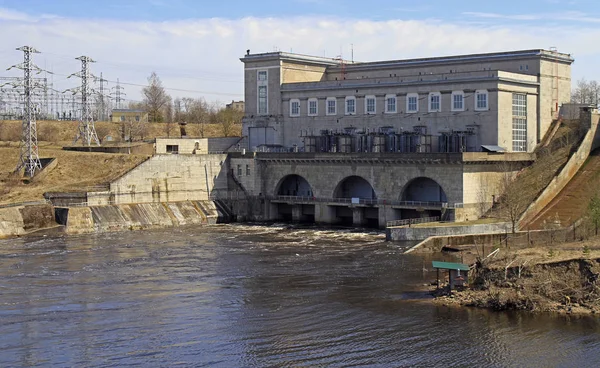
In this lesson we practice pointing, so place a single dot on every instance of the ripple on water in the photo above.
(240, 295)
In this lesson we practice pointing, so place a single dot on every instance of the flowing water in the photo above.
(254, 296)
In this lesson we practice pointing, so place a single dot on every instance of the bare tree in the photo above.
(586, 92)
(228, 118)
(196, 112)
(169, 119)
(594, 212)
(513, 200)
(155, 98)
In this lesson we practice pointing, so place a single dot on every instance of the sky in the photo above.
(195, 46)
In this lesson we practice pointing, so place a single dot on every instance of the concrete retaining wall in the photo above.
(81, 220)
(520, 239)
(169, 178)
(422, 233)
(558, 183)
(21, 220)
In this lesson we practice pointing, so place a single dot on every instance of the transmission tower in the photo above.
(117, 93)
(29, 158)
(87, 131)
(102, 114)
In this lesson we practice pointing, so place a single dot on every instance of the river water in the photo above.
(254, 296)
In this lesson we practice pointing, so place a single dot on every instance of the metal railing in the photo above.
(311, 199)
(29, 203)
(367, 201)
(412, 221)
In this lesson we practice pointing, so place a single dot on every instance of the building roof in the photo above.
(450, 266)
(553, 55)
(352, 65)
(492, 148)
(291, 57)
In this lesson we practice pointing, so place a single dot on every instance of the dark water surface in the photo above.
(242, 296)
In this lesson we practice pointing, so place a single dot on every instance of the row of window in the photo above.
(390, 103)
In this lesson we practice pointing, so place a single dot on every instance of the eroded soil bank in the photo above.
(566, 286)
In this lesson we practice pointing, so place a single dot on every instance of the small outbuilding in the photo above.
(458, 273)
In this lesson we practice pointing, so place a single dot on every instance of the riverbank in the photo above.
(561, 279)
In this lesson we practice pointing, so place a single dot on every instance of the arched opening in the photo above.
(363, 214)
(424, 190)
(354, 187)
(295, 185)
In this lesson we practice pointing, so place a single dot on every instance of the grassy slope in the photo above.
(75, 170)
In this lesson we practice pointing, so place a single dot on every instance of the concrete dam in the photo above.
(373, 189)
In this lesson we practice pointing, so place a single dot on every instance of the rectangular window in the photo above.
(435, 102)
(262, 100)
(370, 104)
(262, 75)
(173, 148)
(294, 107)
(247, 170)
(481, 100)
(519, 123)
(458, 101)
(312, 107)
(350, 105)
(390, 104)
(239, 170)
(331, 106)
(412, 102)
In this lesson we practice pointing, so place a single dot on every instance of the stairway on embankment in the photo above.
(565, 197)
(571, 203)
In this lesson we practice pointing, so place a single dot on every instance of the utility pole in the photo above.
(29, 158)
(117, 93)
(87, 131)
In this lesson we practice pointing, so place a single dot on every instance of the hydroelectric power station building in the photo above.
(368, 142)
(441, 104)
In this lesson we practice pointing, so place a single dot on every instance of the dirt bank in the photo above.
(568, 286)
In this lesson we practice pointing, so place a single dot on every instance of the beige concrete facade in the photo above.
(129, 115)
(470, 181)
(184, 146)
(195, 146)
(171, 178)
(299, 82)
(236, 105)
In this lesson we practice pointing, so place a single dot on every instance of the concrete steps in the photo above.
(571, 203)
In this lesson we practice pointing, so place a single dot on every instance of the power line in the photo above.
(171, 89)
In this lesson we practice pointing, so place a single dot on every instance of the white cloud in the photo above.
(203, 54)
(574, 16)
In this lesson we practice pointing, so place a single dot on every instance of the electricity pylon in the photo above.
(87, 131)
(29, 158)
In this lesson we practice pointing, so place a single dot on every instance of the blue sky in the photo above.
(195, 46)
(161, 10)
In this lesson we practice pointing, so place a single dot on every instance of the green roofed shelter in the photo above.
(450, 266)
(455, 278)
